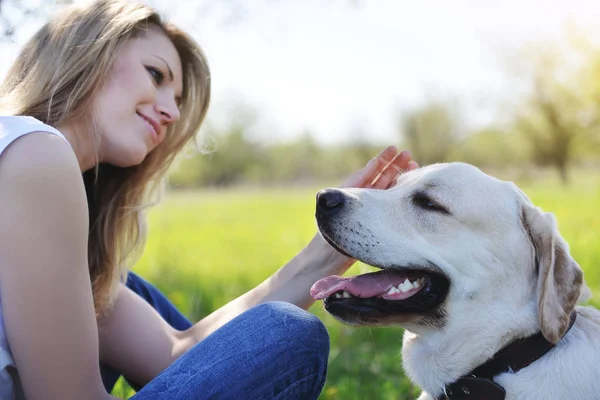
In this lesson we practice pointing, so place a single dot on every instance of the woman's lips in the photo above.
(153, 125)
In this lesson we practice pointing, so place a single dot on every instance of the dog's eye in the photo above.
(423, 201)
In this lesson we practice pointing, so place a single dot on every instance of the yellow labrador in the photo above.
(469, 267)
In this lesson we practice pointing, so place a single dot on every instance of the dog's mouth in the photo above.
(383, 297)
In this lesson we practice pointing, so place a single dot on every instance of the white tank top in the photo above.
(12, 128)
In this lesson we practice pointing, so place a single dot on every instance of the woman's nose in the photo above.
(168, 111)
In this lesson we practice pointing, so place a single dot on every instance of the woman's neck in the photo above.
(82, 146)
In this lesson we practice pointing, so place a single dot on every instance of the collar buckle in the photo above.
(473, 388)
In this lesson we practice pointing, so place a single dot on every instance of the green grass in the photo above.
(207, 247)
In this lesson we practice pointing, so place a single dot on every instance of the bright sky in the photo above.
(340, 66)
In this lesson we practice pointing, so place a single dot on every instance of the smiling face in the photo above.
(139, 99)
(448, 239)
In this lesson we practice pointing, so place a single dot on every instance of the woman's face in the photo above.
(139, 99)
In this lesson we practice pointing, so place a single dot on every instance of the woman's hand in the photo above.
(318, 259)
(383, 170)
(380, 173)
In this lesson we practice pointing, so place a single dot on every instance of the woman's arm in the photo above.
(136, 341)
(44, 280)
(292, 282)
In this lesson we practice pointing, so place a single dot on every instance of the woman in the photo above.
(110, 92)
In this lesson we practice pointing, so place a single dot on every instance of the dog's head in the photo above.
(450, 242)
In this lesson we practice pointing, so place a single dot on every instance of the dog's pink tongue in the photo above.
(366, 285)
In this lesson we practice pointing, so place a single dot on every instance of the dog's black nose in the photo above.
(330, 199)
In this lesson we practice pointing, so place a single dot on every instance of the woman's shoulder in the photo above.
(37, 161)
(45, 193)
(10, 124)
(14, 127)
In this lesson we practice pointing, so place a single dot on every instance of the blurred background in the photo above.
(306, 92)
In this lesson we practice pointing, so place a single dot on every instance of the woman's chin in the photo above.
(129, 158)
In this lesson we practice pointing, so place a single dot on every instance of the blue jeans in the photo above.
(272, 351)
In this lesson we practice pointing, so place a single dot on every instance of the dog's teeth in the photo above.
(406, 286)
(338, 295)
(346, 295)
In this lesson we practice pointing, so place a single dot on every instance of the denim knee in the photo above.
(303, 342)
(293, 323)
(275, 351)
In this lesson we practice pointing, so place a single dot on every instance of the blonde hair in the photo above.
(55, 79)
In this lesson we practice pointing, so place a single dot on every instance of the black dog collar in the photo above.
(479, 384)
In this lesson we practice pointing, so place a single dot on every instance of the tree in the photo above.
(492, 147)
(431, 131)
(551, 118)
(588, 85)
(13, 13)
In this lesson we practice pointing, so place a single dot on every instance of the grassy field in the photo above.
(207, 247)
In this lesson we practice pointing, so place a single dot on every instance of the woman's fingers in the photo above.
(389, 173)
(382, 171)
(412, 165)
(364, 176)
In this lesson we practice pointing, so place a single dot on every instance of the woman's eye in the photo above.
(156, 74)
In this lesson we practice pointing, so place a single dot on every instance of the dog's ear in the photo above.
(560, 279)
